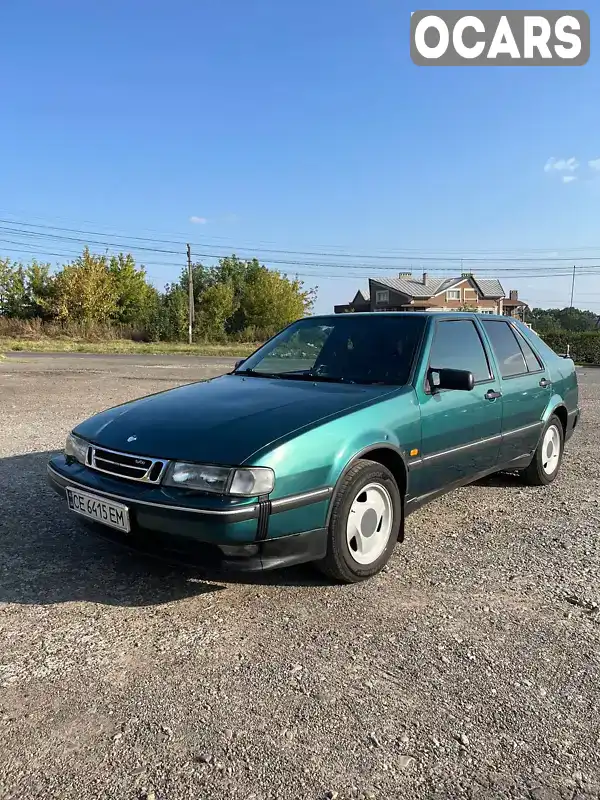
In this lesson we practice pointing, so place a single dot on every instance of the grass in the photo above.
(52, 345)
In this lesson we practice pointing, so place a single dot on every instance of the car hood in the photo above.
(224, 420)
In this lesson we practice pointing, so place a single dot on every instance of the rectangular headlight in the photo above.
(243, 482)
(201, 477)
(76, 448)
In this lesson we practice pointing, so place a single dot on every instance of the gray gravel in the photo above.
(469, 668)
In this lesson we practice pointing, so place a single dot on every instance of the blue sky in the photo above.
(294, 126)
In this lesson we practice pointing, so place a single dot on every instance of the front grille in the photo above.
(125, 465)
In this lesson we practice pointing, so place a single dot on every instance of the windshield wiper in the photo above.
(307, 376)
(255, 374)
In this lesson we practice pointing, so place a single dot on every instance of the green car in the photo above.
(320, 444)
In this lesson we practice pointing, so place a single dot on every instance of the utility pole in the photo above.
(190, 294)
(573, 286)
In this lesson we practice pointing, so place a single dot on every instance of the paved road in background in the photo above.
(132, 358)
(468, 669)
(136, 367)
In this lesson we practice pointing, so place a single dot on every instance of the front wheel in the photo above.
(548, 456)
(364, 523)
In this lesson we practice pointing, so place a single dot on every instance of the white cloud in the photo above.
(198, 220)
(561, 164)
(569, 178)
(595, 164)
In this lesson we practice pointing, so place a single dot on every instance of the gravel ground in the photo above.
(469, 668)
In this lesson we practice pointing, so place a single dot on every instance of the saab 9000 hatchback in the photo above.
(318, 446)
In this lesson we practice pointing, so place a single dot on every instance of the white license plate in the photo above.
(100, 510)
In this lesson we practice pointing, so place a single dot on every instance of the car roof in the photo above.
(427, 314)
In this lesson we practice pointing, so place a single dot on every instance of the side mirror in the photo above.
(239, 363)
(458, 380)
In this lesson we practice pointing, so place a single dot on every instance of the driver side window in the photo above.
(457, 345)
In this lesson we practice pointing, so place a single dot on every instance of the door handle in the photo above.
(544, 383)
(491, 394)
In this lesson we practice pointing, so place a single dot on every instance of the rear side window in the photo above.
(514, 356)
(457, 345)
(532, 361)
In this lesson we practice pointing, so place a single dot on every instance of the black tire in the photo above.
(535, 474)
(339, 563)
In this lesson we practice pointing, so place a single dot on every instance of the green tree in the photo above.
(135, 297)
(169, 315)
(12, 289)
(554, 320)
(237, 294)
(271, 300)
(215, 308)
(39, 287)
(84, 291)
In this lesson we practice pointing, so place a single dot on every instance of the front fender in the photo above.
(397, 427)
(318, 457)
(357, 447)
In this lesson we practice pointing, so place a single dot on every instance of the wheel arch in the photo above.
(556, 407)
(382, 453)
(563, 415)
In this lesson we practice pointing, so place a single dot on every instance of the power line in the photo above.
(304, 274)
(453, 253)
(484, 265)
(412, 255)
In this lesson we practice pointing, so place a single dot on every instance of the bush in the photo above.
(584, 347)
(36, 328)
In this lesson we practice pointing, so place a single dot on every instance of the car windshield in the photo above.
(350, 348)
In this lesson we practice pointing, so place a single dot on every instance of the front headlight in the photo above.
(244, 482)
(76, 448)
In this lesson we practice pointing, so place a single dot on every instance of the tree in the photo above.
(169, 318)
(554, 320)
(134, 297)
(238, 294)
(84, 291)
(270, 301)
(25, 291)
(12, 289)
(39, 289)
(216, 307)
(235, 297)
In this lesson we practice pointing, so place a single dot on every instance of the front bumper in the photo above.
(235, 539)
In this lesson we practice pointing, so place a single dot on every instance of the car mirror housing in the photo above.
(239, 363)
(458, 380)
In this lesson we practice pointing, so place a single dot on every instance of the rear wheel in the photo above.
(548, 456)
(364, 523)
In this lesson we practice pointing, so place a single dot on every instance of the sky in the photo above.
(289, 130)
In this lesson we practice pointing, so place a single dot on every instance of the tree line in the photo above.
(557, 320)
(236, 298)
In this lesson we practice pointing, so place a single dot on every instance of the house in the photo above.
(407, 293)
(513, 307)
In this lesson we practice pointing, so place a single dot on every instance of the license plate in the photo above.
(100, 510)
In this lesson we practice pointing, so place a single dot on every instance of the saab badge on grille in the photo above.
(132, 439)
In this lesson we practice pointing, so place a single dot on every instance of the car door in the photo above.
(525, 385)
(460, 430)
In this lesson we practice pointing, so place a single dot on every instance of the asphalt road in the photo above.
(469, 668)
(131, 358)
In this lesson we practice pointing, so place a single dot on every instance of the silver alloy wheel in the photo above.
(551, 450)
(369, 524)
